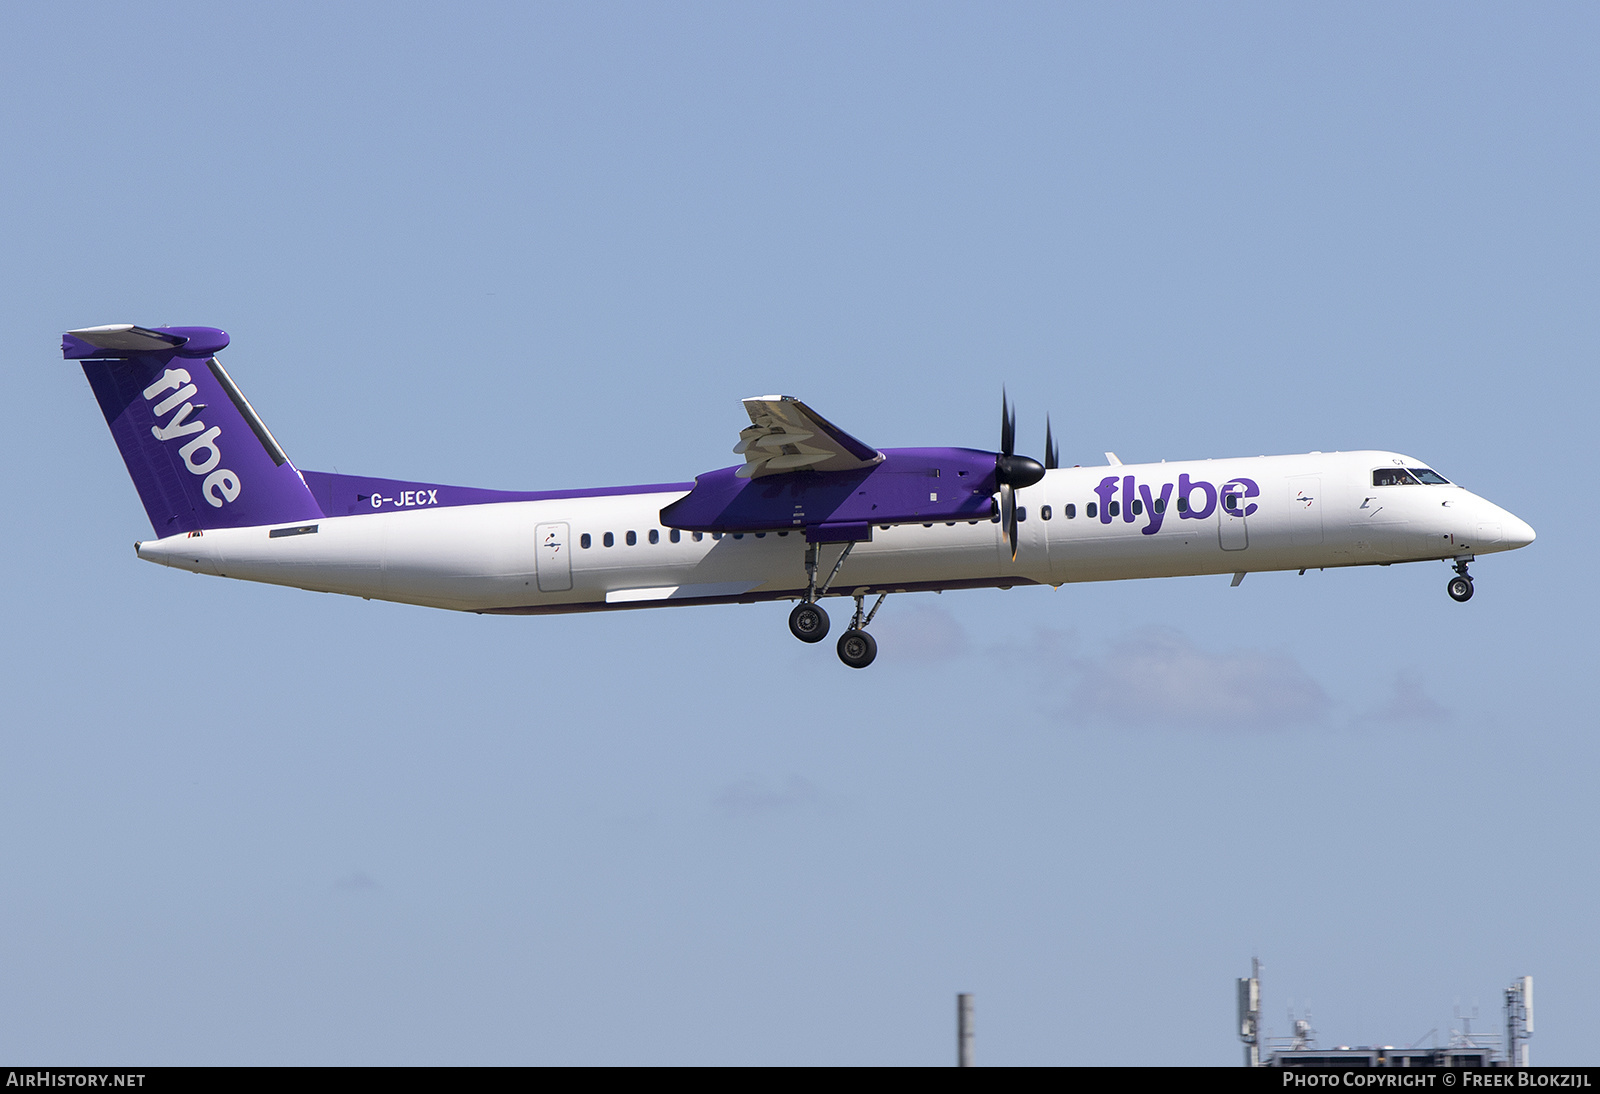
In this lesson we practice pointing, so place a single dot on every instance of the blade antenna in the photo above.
(1052, 457)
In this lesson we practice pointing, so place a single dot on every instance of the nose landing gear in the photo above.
(1460, 586)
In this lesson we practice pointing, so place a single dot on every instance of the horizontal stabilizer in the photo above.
(127, 340)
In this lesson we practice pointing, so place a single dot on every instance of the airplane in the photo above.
(811, 513)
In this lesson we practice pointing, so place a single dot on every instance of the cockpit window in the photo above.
(1393, 476)
(1432, 478)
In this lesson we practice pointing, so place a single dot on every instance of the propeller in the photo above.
(1012, 471)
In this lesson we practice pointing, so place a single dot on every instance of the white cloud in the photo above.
(750, 797)
(918, 632)
(356, 881)
(1160, 677)
(1408, 702)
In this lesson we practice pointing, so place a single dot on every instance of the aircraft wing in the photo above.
(786, 435)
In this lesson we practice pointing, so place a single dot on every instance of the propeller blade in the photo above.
(1012, 471)
(1008, 426)
(1052, 457)
(1008, 516)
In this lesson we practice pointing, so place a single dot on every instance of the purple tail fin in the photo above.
(198, 453)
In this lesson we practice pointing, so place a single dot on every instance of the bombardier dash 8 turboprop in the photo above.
(812, 512)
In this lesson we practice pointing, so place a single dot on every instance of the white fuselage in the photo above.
(1312, 511)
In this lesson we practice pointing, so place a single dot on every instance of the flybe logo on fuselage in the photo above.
(1138, 499)
(201, 454)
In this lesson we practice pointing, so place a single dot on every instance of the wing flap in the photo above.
(786, 435)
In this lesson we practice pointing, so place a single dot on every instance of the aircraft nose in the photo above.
(1517, 532)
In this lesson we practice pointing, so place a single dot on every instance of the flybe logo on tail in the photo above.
(200, 454)
(1138, 499)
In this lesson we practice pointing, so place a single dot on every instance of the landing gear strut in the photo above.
(808, 622)
(1460, 587)
(857, 648)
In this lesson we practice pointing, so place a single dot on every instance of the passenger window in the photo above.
(1091, 510)
(1392, 476)
(583, 541)
(716, 535)
(1114, 508)
(698, 536)
(632, 539)
(738, 535)
(655, 536)
(1183, 505)
(1044, 512)
(675, 535)
(1138, 507)
(1161, 505)
(761, 535)
(610, 540)
(1070, 511)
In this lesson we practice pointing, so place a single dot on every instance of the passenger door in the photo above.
(1231, 530)
(553, 556)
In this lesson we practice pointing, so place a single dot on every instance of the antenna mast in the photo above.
(1250, 1014)
(1519, 1020)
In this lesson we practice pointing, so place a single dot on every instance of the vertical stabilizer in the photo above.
(198, 453)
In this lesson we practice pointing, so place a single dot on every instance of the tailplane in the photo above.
(197, 451)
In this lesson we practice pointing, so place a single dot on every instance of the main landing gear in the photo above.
(857, 648)
(1460, 586)
(809, 623)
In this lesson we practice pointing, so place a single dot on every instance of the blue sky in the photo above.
(552, 246)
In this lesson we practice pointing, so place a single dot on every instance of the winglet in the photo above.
(1111, 458)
